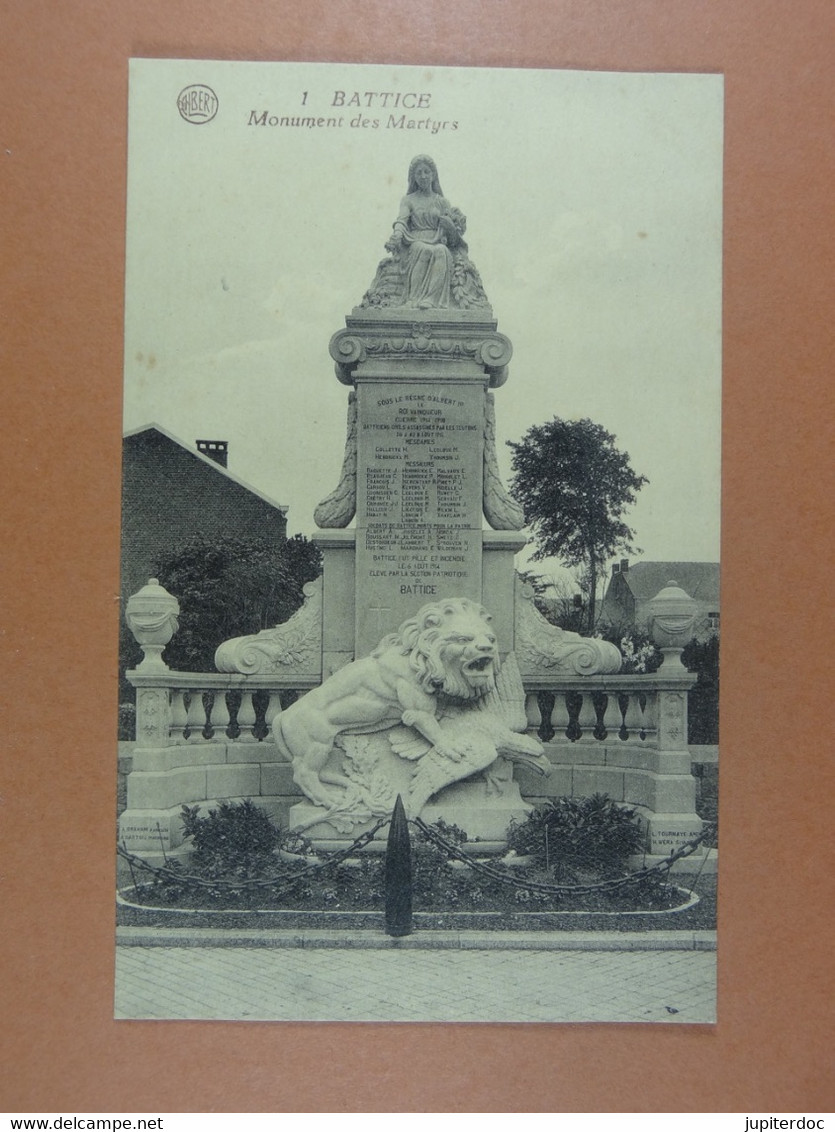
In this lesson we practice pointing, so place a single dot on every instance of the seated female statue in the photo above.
(429, 266)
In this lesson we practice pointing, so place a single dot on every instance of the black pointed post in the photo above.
(398, 874)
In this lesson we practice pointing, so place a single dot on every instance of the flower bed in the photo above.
(695, 912)
(574, 866)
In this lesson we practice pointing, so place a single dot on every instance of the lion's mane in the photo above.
(424, 639)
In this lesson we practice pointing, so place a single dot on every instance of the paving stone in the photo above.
(422, 939)
(297, 984)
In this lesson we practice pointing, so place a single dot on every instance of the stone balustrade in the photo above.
(202, 737)
(206, 707)
(648, 709)
(625, 736)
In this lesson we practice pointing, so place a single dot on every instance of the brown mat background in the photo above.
(63, 89)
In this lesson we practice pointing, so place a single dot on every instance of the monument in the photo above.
(421, 664)
(421, 689)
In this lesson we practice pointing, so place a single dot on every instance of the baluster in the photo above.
(560, 717)
(649, 717)
(532, 712)
(545, 701)
(634, 719)
(600, 700)
(272, 712)
(179, 715)
(246, 719)
(623, 705)
(612, 716)
(587, 719)
(196, 719)
(208, 699)
(220, 717)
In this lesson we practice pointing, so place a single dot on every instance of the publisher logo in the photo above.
(197, 104)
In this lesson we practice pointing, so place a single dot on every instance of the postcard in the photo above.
(420, 546)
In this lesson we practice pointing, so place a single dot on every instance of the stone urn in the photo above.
(672, 615)
(151, 615)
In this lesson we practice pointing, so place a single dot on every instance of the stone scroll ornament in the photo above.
(543, 649)
(432, 705)
(501, 511)
(339, 508)
(292, 647)
(428, 266)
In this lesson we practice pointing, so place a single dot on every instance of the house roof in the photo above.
(213, 464)
(699, 579)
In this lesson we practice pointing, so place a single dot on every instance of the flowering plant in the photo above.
(639, 657)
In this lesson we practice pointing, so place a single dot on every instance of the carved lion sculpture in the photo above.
(447, 650)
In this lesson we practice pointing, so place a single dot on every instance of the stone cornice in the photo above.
(400, 337)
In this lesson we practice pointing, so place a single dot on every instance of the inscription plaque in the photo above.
(419, 476)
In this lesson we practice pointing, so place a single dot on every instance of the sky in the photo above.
(593, 205)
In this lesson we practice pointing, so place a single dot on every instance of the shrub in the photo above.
(230, 586)
(235, 840)
(640, 654)
(127, 721)
(434, 883)
(579, 838)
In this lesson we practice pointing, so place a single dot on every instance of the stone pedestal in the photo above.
(418, 476)
(483, 815)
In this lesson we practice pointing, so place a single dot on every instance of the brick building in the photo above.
(171, 491)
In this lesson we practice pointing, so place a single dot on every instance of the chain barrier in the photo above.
(281, 885)
(493, 873)
(278, 885)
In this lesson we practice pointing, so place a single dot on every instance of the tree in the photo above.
(228, 587)
(702, 657)
(575, 486)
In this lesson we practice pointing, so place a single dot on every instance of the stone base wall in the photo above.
(659, 785)
(165, 779)
(162, 780)
(642, 777)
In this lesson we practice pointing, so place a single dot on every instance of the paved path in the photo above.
(414, 985)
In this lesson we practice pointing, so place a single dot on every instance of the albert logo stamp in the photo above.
(197, 104)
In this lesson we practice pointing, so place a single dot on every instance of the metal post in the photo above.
(398, 874)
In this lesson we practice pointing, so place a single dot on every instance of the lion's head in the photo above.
(452, 648)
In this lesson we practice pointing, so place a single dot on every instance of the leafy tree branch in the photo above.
(575, 487)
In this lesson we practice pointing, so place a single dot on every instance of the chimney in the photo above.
(624, 565)
(217, 450)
